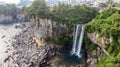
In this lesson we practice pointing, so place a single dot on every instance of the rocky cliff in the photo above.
(9, 19)
(101, 41)
(103, 32)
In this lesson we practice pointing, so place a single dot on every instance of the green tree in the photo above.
(37, 9)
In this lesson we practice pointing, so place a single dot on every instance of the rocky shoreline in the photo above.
(26, 53)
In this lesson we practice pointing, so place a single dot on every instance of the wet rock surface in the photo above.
(26, 53)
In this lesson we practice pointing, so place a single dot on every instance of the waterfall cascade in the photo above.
(77, 39)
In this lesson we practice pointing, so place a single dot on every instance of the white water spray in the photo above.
(76, 49)
(75, 40)
(80, 42)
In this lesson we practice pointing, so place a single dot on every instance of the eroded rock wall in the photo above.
(101, 41)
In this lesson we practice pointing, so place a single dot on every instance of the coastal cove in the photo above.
(18, 47)
(60, 35)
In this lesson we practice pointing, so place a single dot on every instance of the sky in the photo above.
(17, 1)
(11, 1)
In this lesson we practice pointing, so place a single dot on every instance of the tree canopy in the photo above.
(62, 13)
(38, 9)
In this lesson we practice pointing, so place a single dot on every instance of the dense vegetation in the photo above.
(107, 24)
(64, 16)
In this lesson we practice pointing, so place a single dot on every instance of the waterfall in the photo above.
(77, 44)
(75, 40)
(80, 42)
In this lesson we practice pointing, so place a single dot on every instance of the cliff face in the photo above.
(101, 41)
(43, 27)
(9, 19)
(4, 18)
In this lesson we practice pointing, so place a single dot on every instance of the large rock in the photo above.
(101, 41)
